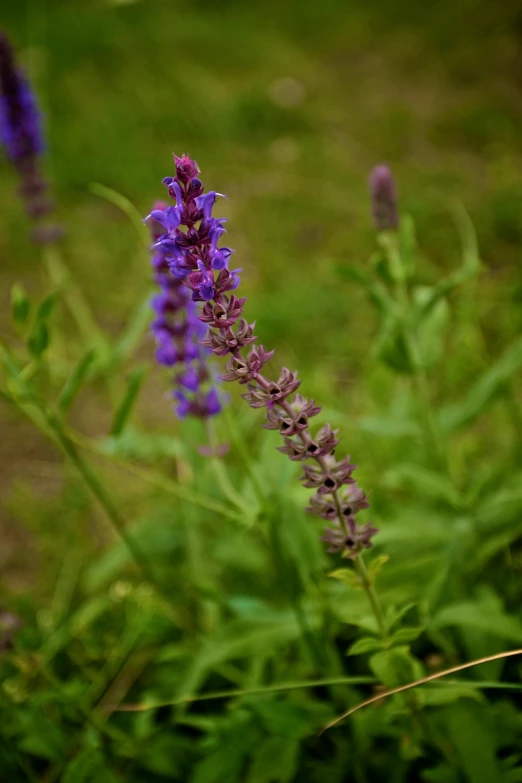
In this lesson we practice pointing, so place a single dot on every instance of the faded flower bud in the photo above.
(383, 194)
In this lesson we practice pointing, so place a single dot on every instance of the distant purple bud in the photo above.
(383, 194)
(20, 122)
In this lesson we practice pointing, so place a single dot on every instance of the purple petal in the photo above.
(190, 379)
(206, 202)
(212, 402)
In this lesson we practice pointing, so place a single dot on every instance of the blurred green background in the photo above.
(286, 106)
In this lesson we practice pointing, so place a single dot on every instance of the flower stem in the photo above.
(430, 732)
(373, 598)
(98, 490)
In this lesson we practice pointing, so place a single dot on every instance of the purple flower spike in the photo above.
(22, 138)
(383, 194)
(177, 328)
(337, 497)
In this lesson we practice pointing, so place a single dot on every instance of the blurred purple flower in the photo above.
(383, 195)
(178, 330)
(22, 138)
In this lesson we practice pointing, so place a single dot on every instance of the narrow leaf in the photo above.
(75, 381)
(20, 305)
(125, 205)
(134, 331)
(134, 382)
(347, 576)
(364, 645)
(483, 393)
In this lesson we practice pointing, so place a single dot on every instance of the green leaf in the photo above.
(137, 325)
(46, 306)
(274, 760)
(125, 205)
(441, 774)
(83, 767)
(377, 292)
(431, 329)
(75, 381)
(134, 382)
(387, 241)
(438, 694)
(386, 427)
(348, 577)
(391, 346)
(469, 268)
(241, 639)
(364, 645)
(42, 737)
(405, 635)
(395, 667)
(469, 726)
(232, 746)
(394, 615)
(20, 304)
(428, 483)
(483, 393)
(289, 719)
(38, 338)
(407, 245)
(468, 238)
(482, 616)
(376, 565)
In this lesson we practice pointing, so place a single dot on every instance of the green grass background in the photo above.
(286, 106)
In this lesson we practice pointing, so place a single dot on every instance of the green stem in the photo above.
(92, 446)
(419, 375)
(429, 730)
(101, 494)
(373, 598)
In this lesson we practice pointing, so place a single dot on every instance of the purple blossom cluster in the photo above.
(383, 195)
(178, 333)
(22, 138)
(189, 246)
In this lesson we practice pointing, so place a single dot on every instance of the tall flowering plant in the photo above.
(189, 247)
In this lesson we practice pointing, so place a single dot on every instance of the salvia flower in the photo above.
(178, 331)
(191, 250)
(22, 138)
(383, 195)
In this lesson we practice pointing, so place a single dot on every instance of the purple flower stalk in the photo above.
(189, 246)
(383, 195)
(178, 332)
(21, 136)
